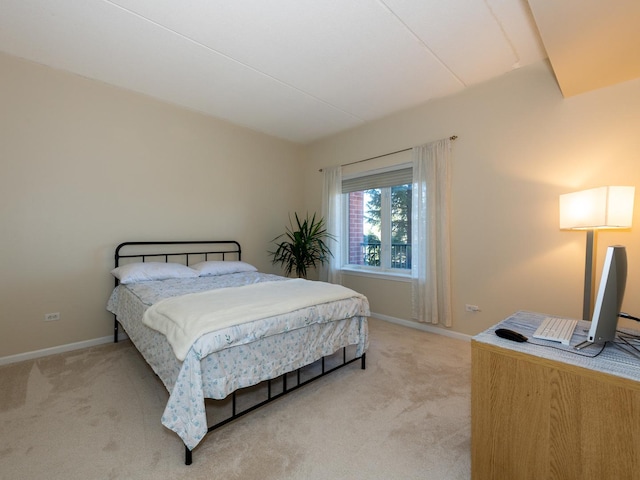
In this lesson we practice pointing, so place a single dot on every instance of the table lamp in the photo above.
(595, 209)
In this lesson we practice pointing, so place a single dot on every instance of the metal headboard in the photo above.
(188, 250)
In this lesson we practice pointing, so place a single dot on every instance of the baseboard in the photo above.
(122, 336)
(425, 327)
(21, 357)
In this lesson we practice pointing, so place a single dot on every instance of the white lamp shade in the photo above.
(602, 207)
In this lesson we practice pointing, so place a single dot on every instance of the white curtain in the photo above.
(332, 214)
(430, 265)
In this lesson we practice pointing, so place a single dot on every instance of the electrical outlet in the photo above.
(471, 308)
(50, 317)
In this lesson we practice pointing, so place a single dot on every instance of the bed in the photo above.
(210, 325)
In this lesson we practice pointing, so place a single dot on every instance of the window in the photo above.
(378, 219)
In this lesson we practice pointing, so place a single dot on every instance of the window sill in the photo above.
(380, 274)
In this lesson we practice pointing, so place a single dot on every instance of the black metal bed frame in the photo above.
(233, 249)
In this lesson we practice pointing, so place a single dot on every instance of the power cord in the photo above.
(630, 317)
(574, 352)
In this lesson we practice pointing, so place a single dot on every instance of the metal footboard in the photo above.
(286, 388)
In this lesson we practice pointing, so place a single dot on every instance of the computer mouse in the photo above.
(511, 335)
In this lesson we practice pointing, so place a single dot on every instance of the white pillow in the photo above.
(146, 271)
(222, 267)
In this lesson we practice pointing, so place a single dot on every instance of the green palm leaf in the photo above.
(304, 246)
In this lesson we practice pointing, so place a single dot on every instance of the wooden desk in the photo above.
(536, 417)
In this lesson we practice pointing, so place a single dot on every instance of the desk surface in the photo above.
(612, 360)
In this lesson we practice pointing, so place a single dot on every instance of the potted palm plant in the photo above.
(304, 246)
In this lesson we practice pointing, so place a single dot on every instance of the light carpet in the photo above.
(95, 414)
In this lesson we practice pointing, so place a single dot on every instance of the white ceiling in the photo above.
(296, 69)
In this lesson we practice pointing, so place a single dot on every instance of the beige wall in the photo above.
(520, 146)
(84, 166)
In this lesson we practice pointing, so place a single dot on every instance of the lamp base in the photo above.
(587, 303)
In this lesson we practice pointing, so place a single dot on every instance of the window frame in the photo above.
(385, 269)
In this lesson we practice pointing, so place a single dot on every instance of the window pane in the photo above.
(364, 227)
(401, 226)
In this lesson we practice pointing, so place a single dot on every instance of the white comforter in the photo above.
(186, 318)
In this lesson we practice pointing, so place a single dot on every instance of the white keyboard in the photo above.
(556, 329)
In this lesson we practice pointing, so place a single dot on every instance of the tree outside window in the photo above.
(380, 227)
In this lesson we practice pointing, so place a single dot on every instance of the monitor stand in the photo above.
(584, 344)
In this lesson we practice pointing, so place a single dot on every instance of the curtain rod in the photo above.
(452, 138)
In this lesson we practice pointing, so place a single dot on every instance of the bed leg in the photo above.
(115, 330)
(363, 361)
(188, 459)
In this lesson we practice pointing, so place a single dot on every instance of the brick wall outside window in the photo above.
(356, 232)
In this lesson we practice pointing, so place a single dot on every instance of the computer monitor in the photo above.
(610, 294)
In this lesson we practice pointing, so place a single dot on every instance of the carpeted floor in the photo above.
(95, 414)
